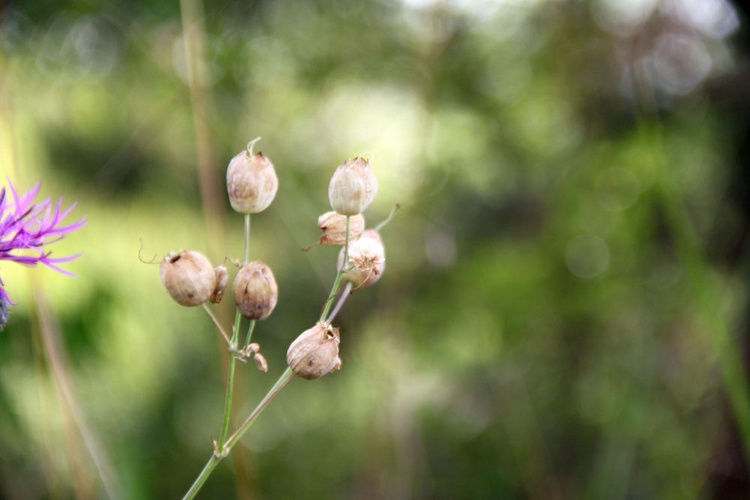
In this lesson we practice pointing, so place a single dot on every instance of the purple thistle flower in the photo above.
(27, 227)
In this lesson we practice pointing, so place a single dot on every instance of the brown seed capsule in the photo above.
(315, 352)
(251, 182)
(352, 187)
(222, 279)
(334, 228)
(260, 362)
(188, 277)
(255, 290)
(366, 260)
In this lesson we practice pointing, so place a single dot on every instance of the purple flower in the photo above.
(27, 227)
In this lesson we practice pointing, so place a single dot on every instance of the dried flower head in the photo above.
(188, 277)
(26, 228)
(315, 352)
(352, 187)
(251, 182)
(333, 226)
(255, 290)
(366, 261)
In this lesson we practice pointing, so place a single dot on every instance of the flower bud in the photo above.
(366, 260)
(251, 182)
(188, 277)
(334, 228)
(222, 279)
(255, 290)
(315, 352)
(352, 187)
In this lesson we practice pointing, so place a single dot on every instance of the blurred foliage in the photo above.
(572, 177)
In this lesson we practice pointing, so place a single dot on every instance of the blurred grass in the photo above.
(537, 332)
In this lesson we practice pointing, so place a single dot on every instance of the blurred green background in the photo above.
(564, 308)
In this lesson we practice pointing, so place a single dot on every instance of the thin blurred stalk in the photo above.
(46, 337)
(60, 368)
(203, 112)
(704, 291)
(194, 36)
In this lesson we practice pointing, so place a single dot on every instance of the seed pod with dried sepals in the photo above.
(352, 187)
(315, 352)
(366, 260)
(251, 181)
(188, 277)
(334, 228)
(255, 290)
(222, 279)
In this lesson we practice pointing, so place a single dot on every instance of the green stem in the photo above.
(224, 450)
(346, 241)
(339, 276)
(246, 254)
(280, 384)
(344, 295)
(217, 325)
(201, 479)
(250, 330)
(226, 420)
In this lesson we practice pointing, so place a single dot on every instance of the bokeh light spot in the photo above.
(587, 256)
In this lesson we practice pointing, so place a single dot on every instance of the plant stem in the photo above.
(246, 254)
(250, 330)
(217, 325)
(339, 275)
(706, 295)
(201, 479)
(226, 420)
(280, 384)
(342, 299)
(223, 450)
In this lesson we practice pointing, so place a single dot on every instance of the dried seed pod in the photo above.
(334, 228)
(260, 362)
(188, 277)
(352, 187)
(366, 261)
(251, 182)
(315, 352)
(255, 290)
(222, 279)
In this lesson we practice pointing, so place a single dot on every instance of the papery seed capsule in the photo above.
(255, 290)
(251, 182)
(315, 352)
(188, 277)
(260, 362)
(334, 228)
(366, 261)
(352, 187)
(222, 279)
